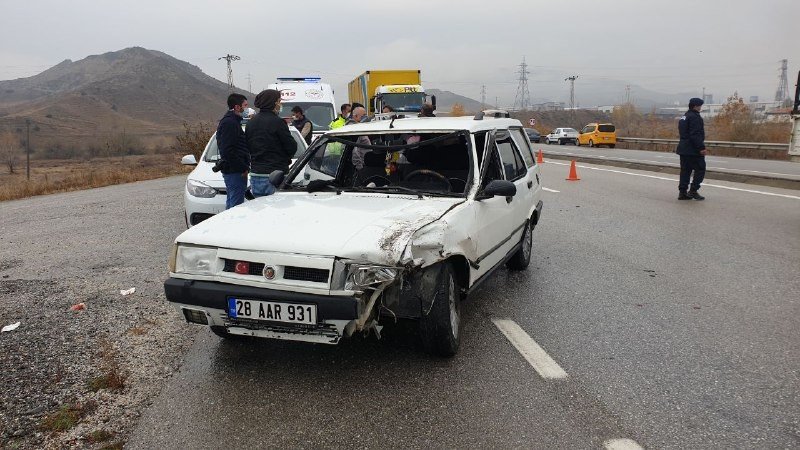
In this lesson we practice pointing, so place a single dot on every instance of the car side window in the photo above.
(513, 166)
(327, 157)
(524, 145)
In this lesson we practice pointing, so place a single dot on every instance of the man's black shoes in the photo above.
(695, 195)
(683, 196)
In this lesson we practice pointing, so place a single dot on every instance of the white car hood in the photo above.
(204, 174)
(362, 226)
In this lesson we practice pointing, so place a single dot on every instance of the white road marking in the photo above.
(675, 180)
(671, 164)
(622, 444)
(530, 350)
(549, 190)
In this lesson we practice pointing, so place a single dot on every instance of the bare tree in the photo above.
(9, 149)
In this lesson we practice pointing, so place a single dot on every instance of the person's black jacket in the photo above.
(232, 144)
(693, 134)
(270, 143)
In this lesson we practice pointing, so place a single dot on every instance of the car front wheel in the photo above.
(440, 328)
(591, 143)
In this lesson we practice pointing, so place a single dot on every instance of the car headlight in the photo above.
(196, 260)
(199, 189)
(360, 276)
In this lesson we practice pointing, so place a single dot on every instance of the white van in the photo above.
(309, 93)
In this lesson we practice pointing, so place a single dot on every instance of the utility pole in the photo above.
(249, 83)
(28, 148)
(571, 90)
(483, 96)
(495, 103)
(230, 58)
(627, 94)
(523, 97)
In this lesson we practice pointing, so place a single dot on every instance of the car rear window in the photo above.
(570, 130)
(606, 128)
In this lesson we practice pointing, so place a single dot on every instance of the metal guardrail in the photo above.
(745, 145)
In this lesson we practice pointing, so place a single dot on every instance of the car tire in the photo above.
(577, 143)
(522, 257)
(562, 142)
(591, 143)
(611, 145)
(441, 327)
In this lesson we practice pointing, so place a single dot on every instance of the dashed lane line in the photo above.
(550, 190)
(675, 180)
(621, 444)
(530, 350)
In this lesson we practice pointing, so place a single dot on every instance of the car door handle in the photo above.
(530, 184)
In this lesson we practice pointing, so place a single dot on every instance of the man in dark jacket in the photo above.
(234, 157)
(270, 142)
(303, 125)
(692, 150)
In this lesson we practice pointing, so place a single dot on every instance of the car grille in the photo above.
(305, 274)
(289, 272)
(255, 268)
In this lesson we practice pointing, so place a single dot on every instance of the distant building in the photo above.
(548, 106)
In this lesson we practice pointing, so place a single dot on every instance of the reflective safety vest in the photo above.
(338, 123)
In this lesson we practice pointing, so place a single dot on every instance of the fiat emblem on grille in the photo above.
(269, 272)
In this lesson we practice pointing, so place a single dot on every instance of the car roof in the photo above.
(427, 124)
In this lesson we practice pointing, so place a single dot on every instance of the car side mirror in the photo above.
(189, 160)
(501, 188)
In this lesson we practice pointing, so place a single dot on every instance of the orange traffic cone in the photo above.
(540, 157)
(573, 172)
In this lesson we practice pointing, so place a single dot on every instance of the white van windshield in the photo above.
(320, 114)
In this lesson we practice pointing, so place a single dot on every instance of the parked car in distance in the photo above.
(376, 223)
(204, 192)
(533, 135)
(562, 136)
(598, 134)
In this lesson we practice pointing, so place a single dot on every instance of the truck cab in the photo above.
(402, 98)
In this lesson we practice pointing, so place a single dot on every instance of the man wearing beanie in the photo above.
(270, 142)
(692, 151)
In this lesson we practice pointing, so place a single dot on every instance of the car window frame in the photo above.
(527, 144)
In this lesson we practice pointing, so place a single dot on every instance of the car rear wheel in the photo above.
(611, 145)
(562, 142)
(440, 328)
(522, 257)
(591, 143)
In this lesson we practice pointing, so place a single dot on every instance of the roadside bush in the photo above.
(194, 138)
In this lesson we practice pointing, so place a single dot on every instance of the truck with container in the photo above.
(309, 93)
(400, 89)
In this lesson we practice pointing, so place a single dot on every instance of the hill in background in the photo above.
(133, 92)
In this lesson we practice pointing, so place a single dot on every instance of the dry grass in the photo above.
(97, 436)
(67, 416)
(52, 176)
(112, 377)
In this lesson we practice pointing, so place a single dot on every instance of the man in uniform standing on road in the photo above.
(234, 157)
(692, 151)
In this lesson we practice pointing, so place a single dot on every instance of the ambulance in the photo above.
(309, 93)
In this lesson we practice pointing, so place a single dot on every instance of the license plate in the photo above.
(240, 308)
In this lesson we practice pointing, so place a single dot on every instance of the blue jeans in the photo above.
(261, 186)
(235, 184)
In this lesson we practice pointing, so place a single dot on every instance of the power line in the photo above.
(230, 58)
(523, 97)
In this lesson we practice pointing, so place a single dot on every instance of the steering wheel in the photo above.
(431, 173)
(376, 178)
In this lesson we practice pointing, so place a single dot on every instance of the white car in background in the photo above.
(204, 193)
(562, 136)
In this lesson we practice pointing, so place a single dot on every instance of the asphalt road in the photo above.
(737, 166)
(675, 323)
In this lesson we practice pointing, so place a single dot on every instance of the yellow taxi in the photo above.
(597, 134)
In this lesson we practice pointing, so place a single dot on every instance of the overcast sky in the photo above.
(668, 46)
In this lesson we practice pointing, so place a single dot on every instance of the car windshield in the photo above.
(606, 128)
(405, 102)
(400, 163)
(320, 114)
(212, 151)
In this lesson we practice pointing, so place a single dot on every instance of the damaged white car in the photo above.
(397, 219)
